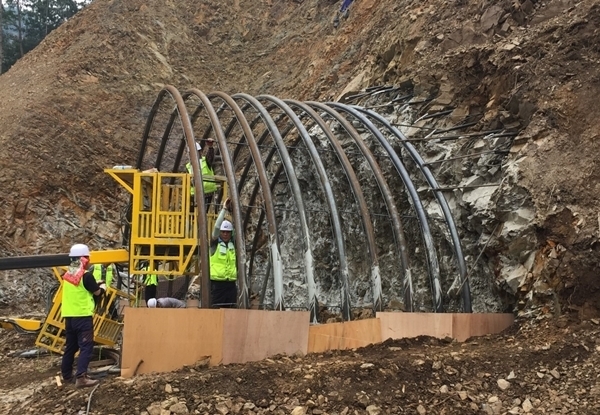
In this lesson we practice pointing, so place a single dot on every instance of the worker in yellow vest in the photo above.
(150, 282)
(206, 166)
(78, 291)
(223, 263)
(103, 273)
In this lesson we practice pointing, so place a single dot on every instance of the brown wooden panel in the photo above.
(342, 336)
(479, 324)
(166, 339)
(402, 325)
(251, 335)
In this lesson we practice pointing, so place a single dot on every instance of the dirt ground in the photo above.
(545, 365)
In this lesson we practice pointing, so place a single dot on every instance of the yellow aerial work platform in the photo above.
(164, 222)
(163, 235)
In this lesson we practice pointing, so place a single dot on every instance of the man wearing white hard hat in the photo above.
(206, 167)
(223, 263)
(79, 287)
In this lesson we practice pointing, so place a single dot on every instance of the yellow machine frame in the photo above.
(164, 234)
(164, 223)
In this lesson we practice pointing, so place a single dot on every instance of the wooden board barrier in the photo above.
(476, 324)
(251, 335)
(342, 336)
(456, 325)
(167, 339)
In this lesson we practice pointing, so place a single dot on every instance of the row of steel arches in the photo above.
(179, 130)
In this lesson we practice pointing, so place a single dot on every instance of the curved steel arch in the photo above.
(434, 267)
(243, 294)
(191, 143)
(335, 218)
(365, 216)
(297, 195)
(274, 245)
(274, 182)
(387, 196)
(300, 116)
(412, 151)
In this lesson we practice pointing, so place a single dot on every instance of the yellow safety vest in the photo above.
(76, 300)
(223, 266)
(208, 186)
(151, 279)
(98, 273)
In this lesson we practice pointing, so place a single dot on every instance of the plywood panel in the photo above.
(166, 339)
(479, 324)
(401, 325)
(251, 335)
(342, 336)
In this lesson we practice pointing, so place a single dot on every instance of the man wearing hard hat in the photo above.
(79, 287)
(206, 167)
(223, 263)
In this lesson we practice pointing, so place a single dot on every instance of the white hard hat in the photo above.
(226, 226)
(152, 303)
(79, 250)
(198, 147)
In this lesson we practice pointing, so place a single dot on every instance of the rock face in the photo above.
(528, 217)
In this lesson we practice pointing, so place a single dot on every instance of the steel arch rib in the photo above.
(190, 141)
(365, 216)
(434, 268)
(274, 245)
(243, 296)
(253, 195)
(296, 193)
(335, 218)
(466, 292)
(397, 227)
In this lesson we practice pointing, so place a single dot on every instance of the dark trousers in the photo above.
(223, 294)
(149, 292)
(79, 336)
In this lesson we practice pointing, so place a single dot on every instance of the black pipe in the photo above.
(35, 261)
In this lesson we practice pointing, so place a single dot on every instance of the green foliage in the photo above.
(25, 23)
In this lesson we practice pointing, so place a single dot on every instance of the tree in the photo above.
(25, 23)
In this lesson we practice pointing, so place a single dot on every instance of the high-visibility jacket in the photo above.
(223, 266)
(208, 186)
(150, 279)
(108, 275)
(76, 300)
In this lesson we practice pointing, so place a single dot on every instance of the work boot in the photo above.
(68, 381)
(85, 382)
